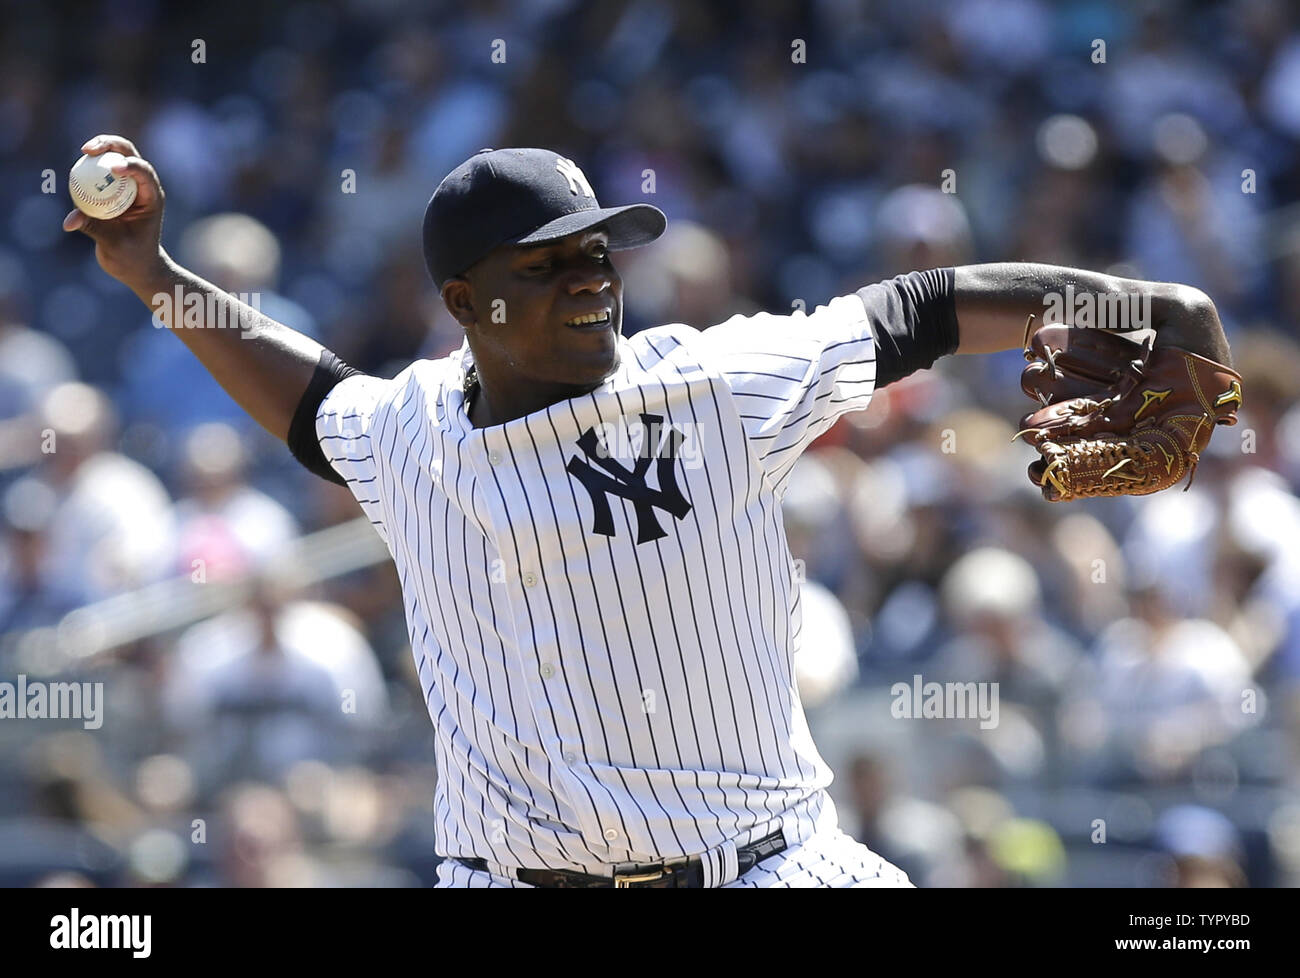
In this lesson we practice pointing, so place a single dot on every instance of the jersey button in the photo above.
(530, 579)
(569, 757)
(611, 834)
(494, 458)
(548, 670)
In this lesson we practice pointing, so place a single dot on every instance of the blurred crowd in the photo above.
(1146, 650)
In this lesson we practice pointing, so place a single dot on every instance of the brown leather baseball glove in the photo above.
(1118, 417)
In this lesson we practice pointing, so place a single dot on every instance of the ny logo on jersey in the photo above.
(630, 484)
(577, 180)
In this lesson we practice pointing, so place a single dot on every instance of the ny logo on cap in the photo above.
(577, 181)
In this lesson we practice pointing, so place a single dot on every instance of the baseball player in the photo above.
(601, 604)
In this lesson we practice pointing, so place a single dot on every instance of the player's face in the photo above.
(534, 308)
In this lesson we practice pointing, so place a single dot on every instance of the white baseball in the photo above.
(96, 190)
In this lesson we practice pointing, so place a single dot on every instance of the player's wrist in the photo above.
(157, 275)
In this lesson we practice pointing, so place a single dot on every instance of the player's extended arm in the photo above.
(993, 302)
(264, 365)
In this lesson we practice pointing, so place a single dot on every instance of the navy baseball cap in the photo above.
(521, 196)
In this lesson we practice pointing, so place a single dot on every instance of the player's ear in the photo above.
(458, 297)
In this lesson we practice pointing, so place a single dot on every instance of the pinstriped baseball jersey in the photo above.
(601, 603)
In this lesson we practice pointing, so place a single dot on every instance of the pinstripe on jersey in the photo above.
(596, 699)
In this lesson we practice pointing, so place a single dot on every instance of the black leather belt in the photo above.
(687, 873)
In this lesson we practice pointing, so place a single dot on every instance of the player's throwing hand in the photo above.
(129, 246)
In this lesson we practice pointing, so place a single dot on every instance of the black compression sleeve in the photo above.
(913, 318)
(302, 439)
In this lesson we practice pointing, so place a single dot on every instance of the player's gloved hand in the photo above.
(129, 246)
(1118, 417)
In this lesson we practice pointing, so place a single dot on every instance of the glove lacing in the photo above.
(1093, 454)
